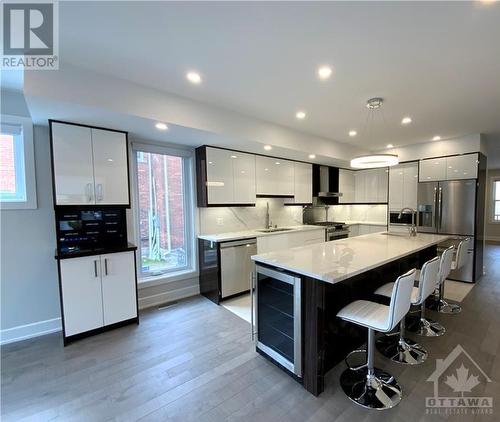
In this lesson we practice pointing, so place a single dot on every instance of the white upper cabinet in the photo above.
(90, 165)
(302, 183)
(244, 178)
(461, 167)
(274, 176)
(370, 186)
(230, 177)
(432, 169)
(346, 186)
(220, 181)
(110, 167)
(73, 168)
(403, 183)
(449, 168)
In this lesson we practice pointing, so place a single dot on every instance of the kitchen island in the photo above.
(300, 290)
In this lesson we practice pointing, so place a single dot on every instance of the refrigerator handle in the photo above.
(435, 209)
(440, 200)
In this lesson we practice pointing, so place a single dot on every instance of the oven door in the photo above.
(337, 234)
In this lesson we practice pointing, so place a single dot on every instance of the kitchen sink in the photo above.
(274, 229)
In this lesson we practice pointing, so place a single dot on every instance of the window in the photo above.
(17, 167)
(496, 200)
(164, 210)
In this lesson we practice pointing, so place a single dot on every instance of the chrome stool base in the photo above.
(425, 327)
(378, 391)
(401, 350)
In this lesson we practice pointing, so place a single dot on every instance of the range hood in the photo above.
(326, 182)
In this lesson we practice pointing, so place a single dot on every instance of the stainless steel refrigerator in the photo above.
(449, 207)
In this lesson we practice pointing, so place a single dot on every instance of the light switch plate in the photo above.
(220, 221)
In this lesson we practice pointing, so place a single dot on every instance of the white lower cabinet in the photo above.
(81, 294)
(288, 240)
(119, 301)
(97, 290)
(360, 229)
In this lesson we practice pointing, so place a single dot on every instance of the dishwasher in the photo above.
(236, 266)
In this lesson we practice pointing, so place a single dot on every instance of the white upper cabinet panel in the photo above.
(285, 177)
(432, 169)
(274, 176)
(244, 178)
(396, 183)
(220, 179)
(403, 183)
(303, 183)
(383, 184)
(410, 186)
(73, 167)
(110, 167)
(360, 186)
(346, 186)
(461, 167)
(371, 185)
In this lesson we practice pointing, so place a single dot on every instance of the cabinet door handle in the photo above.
(95, 268)
(99, 192)
(105, 266)
(88, 188)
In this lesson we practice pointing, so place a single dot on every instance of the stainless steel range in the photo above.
(334, 229)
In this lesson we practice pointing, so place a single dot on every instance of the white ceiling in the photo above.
(438, 62)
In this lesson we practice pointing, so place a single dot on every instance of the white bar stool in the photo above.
(396, 347)
(366, 385)
(441, 305)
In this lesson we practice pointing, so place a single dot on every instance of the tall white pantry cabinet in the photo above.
(97, 283)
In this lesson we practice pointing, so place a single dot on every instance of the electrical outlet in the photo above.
(220, 221)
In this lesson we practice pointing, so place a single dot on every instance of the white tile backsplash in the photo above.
(214, 220)
(342, 213)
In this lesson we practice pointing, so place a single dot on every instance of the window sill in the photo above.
(166, 278)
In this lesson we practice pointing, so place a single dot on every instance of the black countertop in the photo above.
(97, 251)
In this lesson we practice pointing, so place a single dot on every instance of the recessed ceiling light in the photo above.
(268, 147)
(312, 156)
(324, 72)
(436, 138)
(301, 115)
(406, 120)
(234, 156)
(352, 133)
(277, 162)
(390, 146)
(161, 126)
(193, 77)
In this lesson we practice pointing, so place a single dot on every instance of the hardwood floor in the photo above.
(195, 361)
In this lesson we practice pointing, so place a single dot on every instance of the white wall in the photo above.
(29, 288)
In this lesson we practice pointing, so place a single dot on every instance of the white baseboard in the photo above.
(23, 332)
(170, 296)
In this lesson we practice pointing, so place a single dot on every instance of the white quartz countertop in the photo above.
(341, 259)
(248, 234)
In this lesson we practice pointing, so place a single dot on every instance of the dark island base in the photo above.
(327, 339)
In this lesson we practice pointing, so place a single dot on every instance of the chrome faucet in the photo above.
(406, 210)
(268, 222)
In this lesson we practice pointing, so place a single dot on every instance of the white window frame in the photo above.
(29, 164)
(189, 196)
(492, 196)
